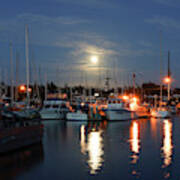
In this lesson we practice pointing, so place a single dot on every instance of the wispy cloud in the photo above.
(91, 3)
(164, 21)
(36, 18)
(67, 42)
(174, 3)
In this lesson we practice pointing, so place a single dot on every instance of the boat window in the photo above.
(47, 106)
(55, 106)
(114, 102)
(109, 102)
(119, 101)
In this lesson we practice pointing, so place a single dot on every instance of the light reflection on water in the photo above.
(134, 141)
(104, 150)
(93, 147)
(167, 143)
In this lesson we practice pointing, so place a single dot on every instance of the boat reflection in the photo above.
(83, 140)
(153, 122)
(93, 147)
(167, 143)
(134, 141)
(16, 163)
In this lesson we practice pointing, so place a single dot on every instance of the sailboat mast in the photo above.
(12, 72)
(161, 64)
(169, 71)
(17, 76)
(27, 66)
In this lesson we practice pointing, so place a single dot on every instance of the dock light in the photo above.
(29, 89)
(125, 97)
(135, 99)
(22, 88)
(167, 80)
(134, 104)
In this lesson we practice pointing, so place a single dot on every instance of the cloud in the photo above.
(42, 28)
(36, 18)
(164, 21)
(90, 3)
(66, 43)
(173, 3)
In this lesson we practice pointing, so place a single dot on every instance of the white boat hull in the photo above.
(50, 114)
(76, 116)
(120, 115)
(160, 114)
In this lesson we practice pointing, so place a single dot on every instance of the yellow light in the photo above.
(135, 99)
(125, 97)
(94, 59)
(22, 88)
(133, 106)
(167, 80)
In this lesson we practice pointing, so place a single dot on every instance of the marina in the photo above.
(89, 90)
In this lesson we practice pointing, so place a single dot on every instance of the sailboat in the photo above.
(161, 111)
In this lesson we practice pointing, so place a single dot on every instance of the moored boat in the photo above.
(16, 132)
(53, 109)
(76, 116)
(160, 112)
(116, 111)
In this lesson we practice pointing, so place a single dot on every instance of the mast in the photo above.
(169, 71)
(46, 85)
(27, 65)
(11, 69)
(17, 76)
(169, 76)
(161, 64)
(134, 84)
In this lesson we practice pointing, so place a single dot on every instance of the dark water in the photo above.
(142, 149)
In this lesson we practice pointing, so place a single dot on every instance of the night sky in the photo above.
(65, 34)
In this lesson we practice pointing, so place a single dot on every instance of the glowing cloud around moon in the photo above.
(94, 59)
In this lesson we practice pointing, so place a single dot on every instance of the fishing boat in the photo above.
(116, 111)
(54, 109)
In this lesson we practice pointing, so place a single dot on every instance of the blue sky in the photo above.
(64, 34)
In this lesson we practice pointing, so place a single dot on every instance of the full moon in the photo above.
(94, 59)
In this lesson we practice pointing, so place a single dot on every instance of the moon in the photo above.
(94, 59)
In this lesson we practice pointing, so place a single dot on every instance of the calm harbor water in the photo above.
(141, 149)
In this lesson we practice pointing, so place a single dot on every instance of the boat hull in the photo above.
(120, 115)
(16, 138)
(51, 114)
(160, 114)
(76, 117)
